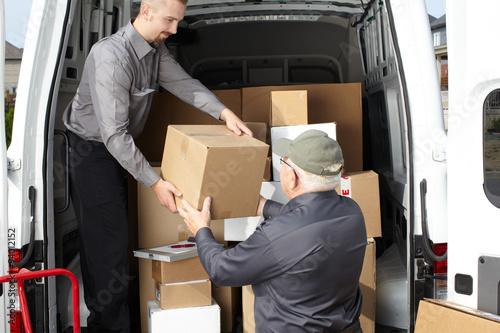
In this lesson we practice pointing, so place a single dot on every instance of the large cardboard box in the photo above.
(204, 161)
(363, 187)
(288, 108)
(179, 271)
(183, 294)
(448, 317)
(291, 132)
(228, 299)
(340, 103)
(185, 320)
(366, 284)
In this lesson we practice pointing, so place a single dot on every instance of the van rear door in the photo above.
(474, 153)
(4, 263)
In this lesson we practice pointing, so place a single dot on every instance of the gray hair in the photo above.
(311, 182)
(156, 4)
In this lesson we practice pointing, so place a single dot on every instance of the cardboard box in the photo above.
(240, 229)
(366, 284)
(184, 294)
(228, 299)
(340, 103)
(288, 108)
(291, 132)
(259, 130)
(446, 317)
(210, 160)
(186, 320)
(179, 271)
(363, 187)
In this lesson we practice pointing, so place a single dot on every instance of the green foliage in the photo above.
(9, 119)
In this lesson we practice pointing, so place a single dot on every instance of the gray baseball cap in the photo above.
(312, 151)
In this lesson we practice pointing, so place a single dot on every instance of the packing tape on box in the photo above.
(345, 186)
(184, 148)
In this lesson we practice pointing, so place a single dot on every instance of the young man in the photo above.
(109, 109)
(304, 261)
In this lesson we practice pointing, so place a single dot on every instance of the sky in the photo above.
(17, 16)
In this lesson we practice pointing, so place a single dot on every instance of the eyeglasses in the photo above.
(283, 161)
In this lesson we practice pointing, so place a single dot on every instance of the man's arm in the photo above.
(111, 98)
(250, 262)
(174, 78)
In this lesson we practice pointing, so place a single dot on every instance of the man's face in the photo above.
(163, 20)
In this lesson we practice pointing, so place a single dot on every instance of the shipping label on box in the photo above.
(184, 294)
(363, 187)
(288, 108)
(291, 132)
(211, 161)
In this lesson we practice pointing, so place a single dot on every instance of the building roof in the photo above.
(438, 23)
(431, 18)
(12, 52)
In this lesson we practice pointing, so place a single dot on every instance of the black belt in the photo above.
(353, 328)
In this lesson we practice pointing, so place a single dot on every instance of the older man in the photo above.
(305, 259)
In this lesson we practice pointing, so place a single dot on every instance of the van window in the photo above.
(491, 116)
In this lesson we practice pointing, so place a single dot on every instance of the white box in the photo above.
(198, 319)
(239, 229)
(291, 132)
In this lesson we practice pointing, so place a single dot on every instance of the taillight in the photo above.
(14, 256)
(440, 266)
(16, 322)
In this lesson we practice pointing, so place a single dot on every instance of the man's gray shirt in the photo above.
(304, 262)
(113, 99)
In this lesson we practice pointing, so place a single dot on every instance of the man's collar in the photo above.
(140, 45)
(306, 198)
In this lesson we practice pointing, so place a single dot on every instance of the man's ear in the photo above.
(145, 11)
(293, 180)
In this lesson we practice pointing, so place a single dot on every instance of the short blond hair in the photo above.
(155, 4)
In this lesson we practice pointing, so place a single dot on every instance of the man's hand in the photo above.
(165, 193)
(260, 206)
(234, 123)
(194, 219)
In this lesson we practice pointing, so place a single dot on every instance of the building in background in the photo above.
(438, 30)
(13, 57)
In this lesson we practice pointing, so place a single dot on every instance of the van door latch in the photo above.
(13, 164)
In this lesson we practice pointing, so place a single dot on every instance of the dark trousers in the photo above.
(99, 196)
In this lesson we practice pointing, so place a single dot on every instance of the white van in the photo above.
(439, 189)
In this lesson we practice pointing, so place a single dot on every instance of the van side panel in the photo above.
(474, 220)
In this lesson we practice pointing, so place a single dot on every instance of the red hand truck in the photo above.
(25, 274)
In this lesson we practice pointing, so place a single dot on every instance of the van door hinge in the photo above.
(439, 155)
(13, 164)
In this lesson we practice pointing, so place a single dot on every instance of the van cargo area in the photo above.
(355, 62)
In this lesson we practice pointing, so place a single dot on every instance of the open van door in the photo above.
(4, 263)
(474, 154)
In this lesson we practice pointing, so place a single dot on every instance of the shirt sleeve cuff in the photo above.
(204, 233)
(148, 177)
(271, 209)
